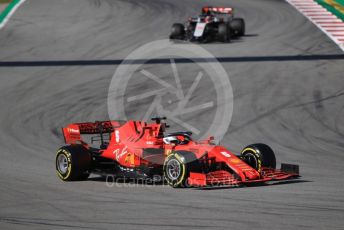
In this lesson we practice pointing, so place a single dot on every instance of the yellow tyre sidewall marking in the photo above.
(257, 156)
(167, 158)
(69, 159)
(182, 168)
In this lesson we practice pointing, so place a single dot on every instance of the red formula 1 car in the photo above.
(135, 149)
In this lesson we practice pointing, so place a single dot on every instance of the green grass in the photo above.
(334, 6)
(5, 1)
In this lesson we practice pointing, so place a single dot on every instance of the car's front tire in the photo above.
(224, 32)
(237, 26)
(73, 163)
(258, 156)
(178, 31)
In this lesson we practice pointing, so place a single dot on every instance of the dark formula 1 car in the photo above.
(135, 149)
(215, 23)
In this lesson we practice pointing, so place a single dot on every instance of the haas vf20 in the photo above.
(214, 24)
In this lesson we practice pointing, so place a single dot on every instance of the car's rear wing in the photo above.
(217, 10)
(72, 133)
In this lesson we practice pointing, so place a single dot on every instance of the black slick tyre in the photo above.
(73, 163)
(177, 168)
(258, 156)
(178, 31)
(237, 26)
(224, 32)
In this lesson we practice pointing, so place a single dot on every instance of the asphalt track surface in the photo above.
(293, 104)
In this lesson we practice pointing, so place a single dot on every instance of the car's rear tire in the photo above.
(178, 31)
(258, 156)
(73, 163)
(237, 26)
(224, 32)
(177, 168)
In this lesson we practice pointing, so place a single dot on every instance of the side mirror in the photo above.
(211, 140)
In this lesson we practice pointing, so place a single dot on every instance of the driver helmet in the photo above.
(169, 140)
(208, 18)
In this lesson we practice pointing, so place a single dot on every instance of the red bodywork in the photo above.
(129, 139)
(219, 10)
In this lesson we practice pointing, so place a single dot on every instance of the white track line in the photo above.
(9, 15)
(332, 26)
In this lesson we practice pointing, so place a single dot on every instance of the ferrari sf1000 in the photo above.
(136, 149)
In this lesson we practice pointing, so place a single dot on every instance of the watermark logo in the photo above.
(182, 82)
(126, 182)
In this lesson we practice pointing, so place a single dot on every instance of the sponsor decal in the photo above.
(130, 158)
(235, 160)
(225, 154)
(71, 130)
(119, 154)
(117, 135)
(222, 9)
